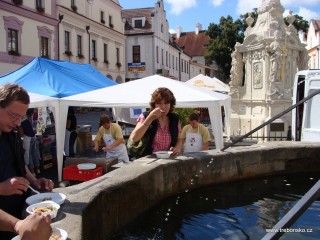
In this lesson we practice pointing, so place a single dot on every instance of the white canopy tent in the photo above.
(137, 93)
(213, 84)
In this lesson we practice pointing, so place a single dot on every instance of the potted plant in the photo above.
(106, 61)
(74, 8)
(118, 64)
(80, 56)
(17, 2)
(102, 21)
(40, 9)
(68, 52)
(95, 59)
(13, 52)
(111, 25)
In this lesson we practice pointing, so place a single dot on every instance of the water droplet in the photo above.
(200, 171)
(166, 219)
(288, 184)
(186, 190)
(285, 180)
(169, 210)
(167, 214)
(207, 199)
(311, 178)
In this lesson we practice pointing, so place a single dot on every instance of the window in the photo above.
(172, 62)
(73, 5)
(13, 48)
(162, 56)
(105, 53)
(167, 58)
(162, 28)
(136, 54)
(102, 17)
(118, 55)
(94, 50)
(40, 5)
(44, 47)
(157, 54)
(138, 23)
(79, 46)
(13, 27)
(67, 49)
(110, 21)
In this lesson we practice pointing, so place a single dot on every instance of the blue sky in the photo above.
(186, 13)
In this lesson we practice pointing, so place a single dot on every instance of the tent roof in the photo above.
(38, 100)
(57, 78)
(137, 93)
(213, 84)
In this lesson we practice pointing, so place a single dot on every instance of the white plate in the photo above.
(163, 154)
(86, 166)
(52, 196)
(63, 233)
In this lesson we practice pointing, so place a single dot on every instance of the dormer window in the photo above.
(139, 22)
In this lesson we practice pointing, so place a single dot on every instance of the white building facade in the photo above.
(88, 31)
(149, 48)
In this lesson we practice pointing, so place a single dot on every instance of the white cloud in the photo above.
(178, 6)
(308, 14)
(216, 3)
(245, 6)
(298, 3)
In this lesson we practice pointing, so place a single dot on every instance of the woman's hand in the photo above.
(43, 183)
(15, 185)
(156, 113)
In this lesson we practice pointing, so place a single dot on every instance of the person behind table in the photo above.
(111, 134)
(30, 144)
(71, 133)
(15, 176)
(161, 124)
(195, 136)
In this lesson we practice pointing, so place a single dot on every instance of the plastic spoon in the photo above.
(35, 191)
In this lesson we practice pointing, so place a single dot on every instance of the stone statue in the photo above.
(236, 68)
(274, 51)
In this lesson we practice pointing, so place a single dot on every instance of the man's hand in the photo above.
(15, 185)
(35, 227)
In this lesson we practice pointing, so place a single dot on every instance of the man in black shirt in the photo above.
(15, 177)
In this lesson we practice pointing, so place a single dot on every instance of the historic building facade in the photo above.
(88, 31)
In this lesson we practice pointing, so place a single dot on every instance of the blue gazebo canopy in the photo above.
(57, 78)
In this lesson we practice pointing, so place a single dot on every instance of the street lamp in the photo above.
(60, 20)
(88, 28)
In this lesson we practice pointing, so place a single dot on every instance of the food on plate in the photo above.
(44, 209)
(55, 236)
(46, 199)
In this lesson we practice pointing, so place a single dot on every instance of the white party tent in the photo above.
(213, 84)
(137, 94)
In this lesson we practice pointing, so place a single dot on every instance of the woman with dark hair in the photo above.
(161, 124)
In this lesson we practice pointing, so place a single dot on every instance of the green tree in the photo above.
(223, 37)
(299, 23)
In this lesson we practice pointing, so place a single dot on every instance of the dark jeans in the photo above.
(72, 140)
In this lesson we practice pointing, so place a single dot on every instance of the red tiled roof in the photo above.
(193, 44)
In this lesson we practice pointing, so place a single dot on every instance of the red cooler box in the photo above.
(73, 173)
